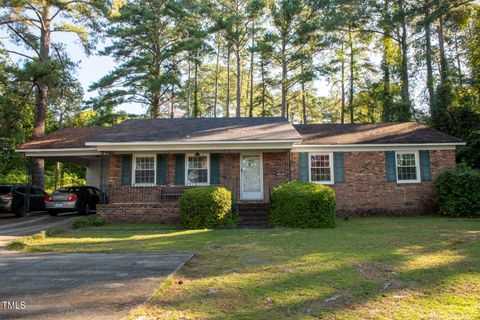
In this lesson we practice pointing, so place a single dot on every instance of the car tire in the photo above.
(20, 212)
(86, 209)
(52, 213)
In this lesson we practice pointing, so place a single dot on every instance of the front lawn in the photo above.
(366, 268)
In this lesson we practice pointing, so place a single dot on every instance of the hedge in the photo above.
(207, 207)
(303, 205)
(458, 192)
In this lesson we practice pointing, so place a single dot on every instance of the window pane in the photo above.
(145, 170)
(320, 168)
(406, 166)
(197, 170)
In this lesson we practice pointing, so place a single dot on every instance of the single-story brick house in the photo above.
(142, 166)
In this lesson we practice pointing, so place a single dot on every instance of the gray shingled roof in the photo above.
(242, 129)
(388, 133)
(200, 130)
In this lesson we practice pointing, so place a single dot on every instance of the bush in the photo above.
(303, 205)
(207, 207)
(87, 223)
(458, 192)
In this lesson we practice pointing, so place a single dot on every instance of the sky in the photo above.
(92, 68)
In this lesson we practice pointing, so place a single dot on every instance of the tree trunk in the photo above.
(284, 80)
(404, 48)
(352, 77)
(342, 113)
(189, 87)
(459, 63)
(304, 104)
(156, 93)
(172, 102)
(239, 82)
(38, 165)
(441, 45)
(228, 84)
(250, 112)
(216, 82)
(264, 88)
(428, 55)
(195, 89)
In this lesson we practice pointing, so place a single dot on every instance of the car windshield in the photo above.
(68, 190)
(5, 189)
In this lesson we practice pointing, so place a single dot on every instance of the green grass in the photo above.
(379, 268)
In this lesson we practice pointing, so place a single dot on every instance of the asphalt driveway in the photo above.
(75, 286)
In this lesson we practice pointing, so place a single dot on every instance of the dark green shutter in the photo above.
(425, 165)
(180, 169)
(161, 169)
(126, 169)
(303, 175)
(391, 166)
(214, 168)
(339, 167)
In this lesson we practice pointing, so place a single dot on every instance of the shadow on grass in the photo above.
(287, 273)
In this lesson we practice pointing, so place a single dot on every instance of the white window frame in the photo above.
(208, 169)
(332, 178)
(417, 166)
(134, 165)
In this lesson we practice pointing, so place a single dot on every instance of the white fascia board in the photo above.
(196, 147)
(376, 147)
(65, 152)
(175, 143)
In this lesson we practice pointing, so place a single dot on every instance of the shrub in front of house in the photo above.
(458, 192)
(303, 205)
(207, 207)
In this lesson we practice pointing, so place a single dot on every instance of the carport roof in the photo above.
(68, 138)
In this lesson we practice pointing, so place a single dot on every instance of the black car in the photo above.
(81, 199)
(12, 199)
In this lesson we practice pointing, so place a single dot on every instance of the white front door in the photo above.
(251, 177)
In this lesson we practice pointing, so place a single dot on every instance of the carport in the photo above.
(68, 146)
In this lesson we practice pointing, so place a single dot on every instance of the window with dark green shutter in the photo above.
(391, 168)
(179, 169)
(126, 178)
(214, 168)
(425, 165)
(161, 169)
(303, 167)
(339, 166)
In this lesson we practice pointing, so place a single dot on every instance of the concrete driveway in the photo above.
(76, 286)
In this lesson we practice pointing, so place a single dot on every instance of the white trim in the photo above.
(374, 147)
(186, 169)
(242, 194)
(65, 152)
(134, 164)
(332, 171)
(196, 147)
(169, 143)
(417, 166)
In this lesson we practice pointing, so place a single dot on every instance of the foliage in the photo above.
(207, 207)
(88, 222)
(458, 192)
(303, 205)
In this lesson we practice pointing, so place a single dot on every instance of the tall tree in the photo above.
(32, 25)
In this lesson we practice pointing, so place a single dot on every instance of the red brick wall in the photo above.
(366, 191)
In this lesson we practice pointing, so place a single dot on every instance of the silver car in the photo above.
(81, 199)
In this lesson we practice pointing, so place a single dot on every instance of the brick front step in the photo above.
(253, 215)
